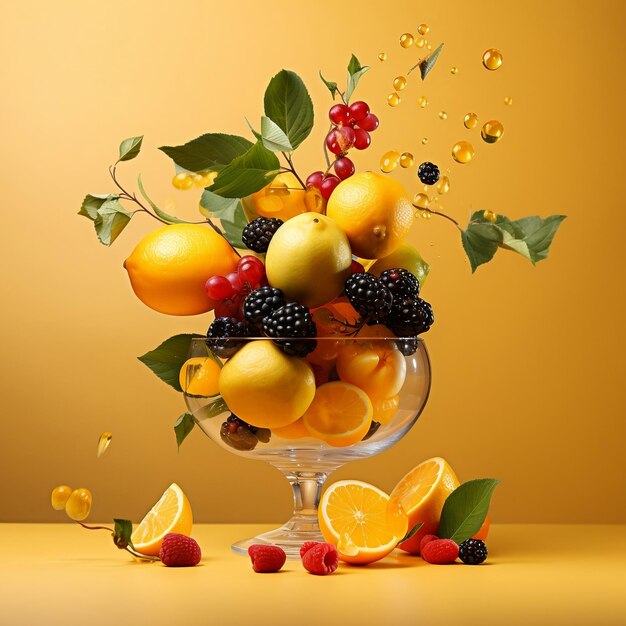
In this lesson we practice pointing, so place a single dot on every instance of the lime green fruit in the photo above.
(406, 257)
(309, 259)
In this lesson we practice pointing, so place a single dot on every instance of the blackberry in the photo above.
(259, 232)
(401, 283)
(410, 317)
(428, 173)
(221, 336)
(473, 551)
(242, 436)
(292, 321)
(369, 297)
(260, 303)
(407, 345)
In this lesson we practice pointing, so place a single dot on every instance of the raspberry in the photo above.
(266, 559)
(473, 551)
(410, 316)
(440, 551)
(259, 232)
(306, 546)
(292, 321)
(368, 296)
(179, 551)
(260, 303)
(242, 436)
(426, 539)
(401, 283)
(219, 335)
(428, 173)
(321, 559)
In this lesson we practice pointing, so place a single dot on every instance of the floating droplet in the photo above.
(442, 115)
(389, 161)
(406, 40)
(393, 99)
(490, 216)
(420, 42)
(462, 151)
(406, 159)
(421, 201)
(103, 443)
(399, 83)
(492, 131)
(454, 70)
(429, 47)
(426, 215)
(470, 120)
(422, 29)
(444, 185)
(382, 56)
(492, 59)
(508, 100)
(424, 140)
(422, 102)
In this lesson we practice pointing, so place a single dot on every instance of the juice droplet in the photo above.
(406, 40)
(393, 99)
(399, 83)
(492, 59)
(470, 120)
(492, 131)
(389, 161)
(406, 159)
(420, 42)
(429, 47)
(424, 140)
(422, 102)
(454, 70)
(422, 29)
(421, 201)
(382, 56)
(490, 216)
(426, 215)
(442, 115)
(508, 100)
(103, 443)
(444, 185)
(462, 151)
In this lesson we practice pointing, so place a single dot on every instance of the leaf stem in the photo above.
(417, 65)
(292, 169)
(94, 527)
(444, 215)
(133, 197)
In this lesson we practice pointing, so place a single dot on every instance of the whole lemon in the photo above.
(265, 387)
(309, 259)
(374, 211)
(404, 256)
(169, 267)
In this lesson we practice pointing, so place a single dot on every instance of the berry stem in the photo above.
(95, 527)
(292, 169)
(138, 555)
(328, 164)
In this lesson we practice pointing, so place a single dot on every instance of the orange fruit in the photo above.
(283, 198)
(385, 409)
(340, 414)
(295, 430)
(359, 519)
(169, 267)
(171, 514)
(483, 531)
(203, 376)
(374, 211)
(422, 493)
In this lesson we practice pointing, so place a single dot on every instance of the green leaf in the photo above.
(233, 228)
(539, 233)
(91, 204)
(183, 426)
(122, 533)
(215, 408)
(111, 220)
(256, 133)
(170, 219)
(222, 208)
(212, 151)
(332, 87)
(273, 137)
(465, 509)
(411, 532)
(288, 104)
(247, 173)
(129, 148)
(355, 71)
(166, 360)
(480, 242)
(429, 62)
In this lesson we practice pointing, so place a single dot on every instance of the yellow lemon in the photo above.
(309, 259)
(406, 257)
(283, 198)
(265, 387)
(374, 211)
(169, 267)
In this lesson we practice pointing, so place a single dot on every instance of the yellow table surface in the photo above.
(535, 574)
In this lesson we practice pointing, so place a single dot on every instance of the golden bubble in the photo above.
(421, 201)
(426, 215)
(490, 216)
(470, 120)
(492, 131)
(454, 70)
(406, 159)
(508, 100)
(182, 180)
(422, 29)
(399, 83)
(393, 99)
(389, 161)
(420, 42)
(462, 151)
(442, 115)
(443, 186)
(103, 443)
(406, 40)
(382, 56)
(424, 140)
(422, 102)
(492, 59)
(429, 47)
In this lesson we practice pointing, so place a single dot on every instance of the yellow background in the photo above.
(528, 362)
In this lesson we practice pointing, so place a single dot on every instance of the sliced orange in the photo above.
(171, 514)
(361, 521)
(340, 414)
(422, 493)
(295, 430)
(199, 376)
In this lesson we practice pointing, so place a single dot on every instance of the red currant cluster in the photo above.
(230, 291)
(351, 129)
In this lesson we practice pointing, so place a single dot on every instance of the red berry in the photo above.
(359, 110)
(250, 270)
(328, 186)
(340, 114)
(306, 546)
(344, 167)
(179, 551)
(321, 559)
(440, 551)
(218, 288)
(340, 140)
(369, 122)
(266, 559)
(362, 139)
(235, 281)
(426, 539)
(315, 179)
(356, 268)
(230, 307)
